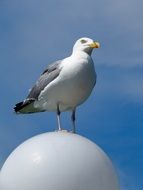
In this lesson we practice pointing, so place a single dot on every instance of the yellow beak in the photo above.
(94, 45)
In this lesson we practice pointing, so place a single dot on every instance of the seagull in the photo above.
(64, 85)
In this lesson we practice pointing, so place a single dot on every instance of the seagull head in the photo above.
(85, 45)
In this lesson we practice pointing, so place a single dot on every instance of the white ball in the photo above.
(58, 161)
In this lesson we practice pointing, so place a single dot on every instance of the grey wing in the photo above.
(47, 76)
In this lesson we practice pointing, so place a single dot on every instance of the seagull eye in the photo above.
(83, 41)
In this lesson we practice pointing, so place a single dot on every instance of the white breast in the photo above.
(72, 87)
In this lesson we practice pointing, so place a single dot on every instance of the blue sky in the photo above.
(36, 33)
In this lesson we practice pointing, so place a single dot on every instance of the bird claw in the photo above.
(62, 130)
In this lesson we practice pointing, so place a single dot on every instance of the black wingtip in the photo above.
(18, 107)
(21, 106)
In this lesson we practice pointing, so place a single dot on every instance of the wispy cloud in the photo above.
(126, 180)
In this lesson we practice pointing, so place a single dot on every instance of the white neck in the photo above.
(80, 53)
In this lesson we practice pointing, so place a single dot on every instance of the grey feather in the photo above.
(47, 76)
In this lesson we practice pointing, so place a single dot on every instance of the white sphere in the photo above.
(58, 161)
